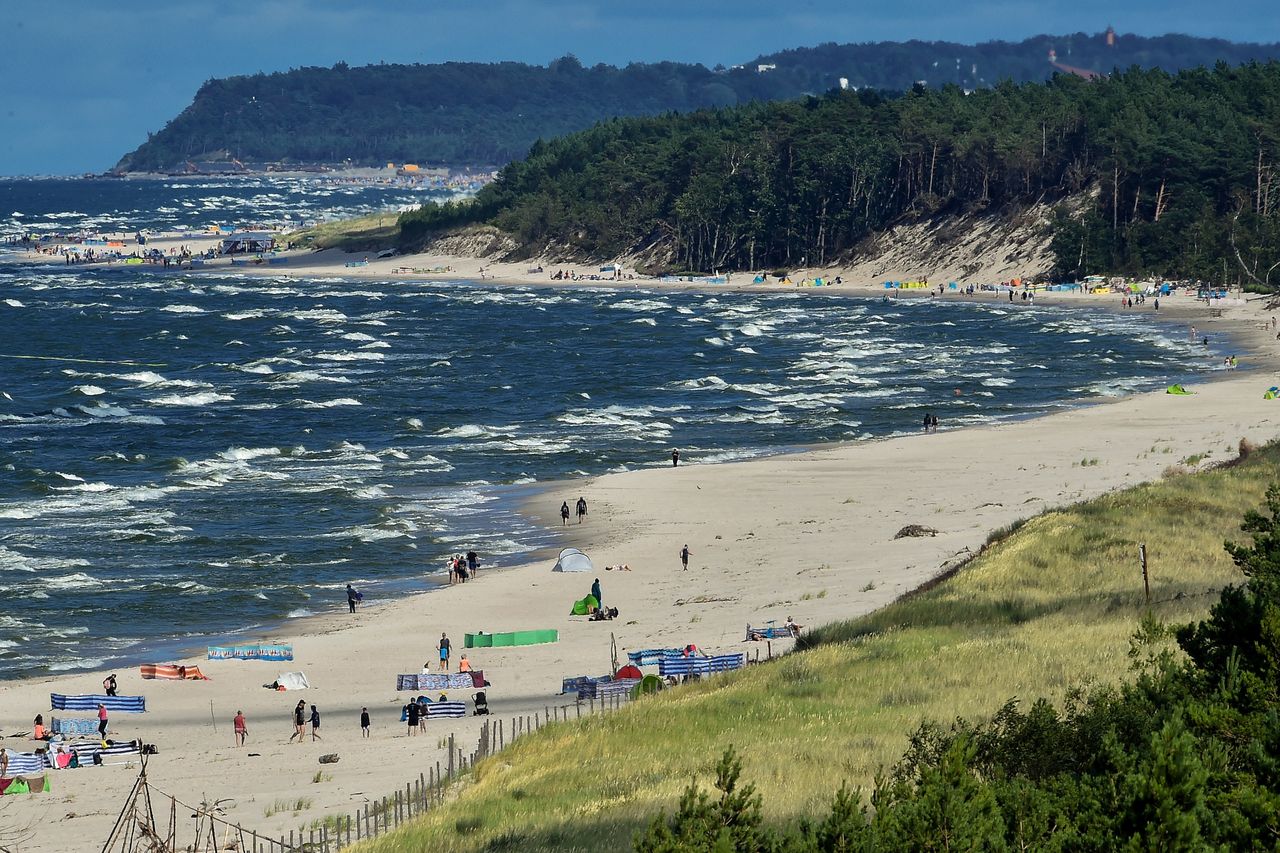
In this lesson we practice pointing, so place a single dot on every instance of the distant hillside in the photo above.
(489, 114)
(1172, 175)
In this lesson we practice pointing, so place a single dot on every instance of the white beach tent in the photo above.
(573, 560)
(292, 681)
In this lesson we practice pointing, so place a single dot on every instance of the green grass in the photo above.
(1049, 606)
(362, 234)
(297, 806)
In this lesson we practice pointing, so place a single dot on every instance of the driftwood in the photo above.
(915, 530)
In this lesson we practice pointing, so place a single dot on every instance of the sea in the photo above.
(190, 457)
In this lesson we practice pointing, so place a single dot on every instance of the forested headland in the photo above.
(1166, 174)
(487, 114)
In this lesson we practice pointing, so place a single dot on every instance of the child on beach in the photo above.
(315, 724)
(239, 726)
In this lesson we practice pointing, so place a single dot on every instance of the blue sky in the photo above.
(85, 81)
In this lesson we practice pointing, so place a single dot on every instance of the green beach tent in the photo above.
(583, 607)
(1177, 390)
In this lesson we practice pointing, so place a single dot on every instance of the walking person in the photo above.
(364, 722)
(315, 724)
(926, 422)
(444, 652)
(352, 598)
(595, 593)
(102, 721)
(675, 458)
(473, 562)
(109, 684)
(684, 557)
(582, 509)
(564, 513)
(238, 726)
(933, 423)
(299, 722)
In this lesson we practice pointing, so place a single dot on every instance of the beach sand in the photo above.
(808, 535)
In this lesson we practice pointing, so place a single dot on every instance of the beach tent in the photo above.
(573, 560)
(1177, 390)
(1272, 393)
(629, 671)
(292, 681)
(584, 606)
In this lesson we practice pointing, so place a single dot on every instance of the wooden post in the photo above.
(579, 706)
(1146, 580)
(768, 644)
(407, 801)
(349, 830)
(452, 750)
(366, 821)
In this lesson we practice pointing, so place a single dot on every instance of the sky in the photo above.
(85, 81)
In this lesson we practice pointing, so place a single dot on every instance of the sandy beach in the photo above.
(808, 535)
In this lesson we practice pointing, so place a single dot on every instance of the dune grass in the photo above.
(1050, 605)
(361, 234)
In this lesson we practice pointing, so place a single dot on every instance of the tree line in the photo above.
(1184, 757)
(1168, 174)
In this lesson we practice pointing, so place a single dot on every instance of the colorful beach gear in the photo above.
(90, 702)
(258, 651)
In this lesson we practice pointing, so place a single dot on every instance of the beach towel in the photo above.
(652, 657)
(90, 702)
(700, 665)
(172, 671)
(440, 681)
(254, 652)
(440, 710)
(74, 726)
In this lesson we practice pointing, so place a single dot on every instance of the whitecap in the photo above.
(182, 309)
(90, 390)
(201, 399)
(13, 303)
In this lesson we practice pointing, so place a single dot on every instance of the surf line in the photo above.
(83, 360)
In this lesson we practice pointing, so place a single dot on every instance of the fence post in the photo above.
(452, 750)
(579, 706)
(366, 821)
(348, 817)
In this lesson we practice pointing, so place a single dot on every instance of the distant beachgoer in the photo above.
(473, 562)
(582, 508)
(411, 711)
(1157, 303)
(241, 731)
(564, 512)
(102, 721)
(37, 728)
(364, 722)
(926, 422)
(352, 598)
(675, 458)
(315, 723)
(684, 557)
(1192, 337)
(595, 592)
(933, 423)
(792, 628)
(444, 653)
(464, 665)
(109, 684)
(1205, 341)
(1010, 295)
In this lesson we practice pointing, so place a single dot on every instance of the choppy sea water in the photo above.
(184, 456)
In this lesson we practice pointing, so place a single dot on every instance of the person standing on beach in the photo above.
(412, 711)
(473, 562)
(933, 423)
(315, 723)
(364, 722)
(109, 684)
(595, 593)
(102, 721)
(564, 513)
(352, 598)
(926, 422)
(299, 722)
(582, 508)
(684, 557)
(237, 724)
(675, 458)
(444, 652)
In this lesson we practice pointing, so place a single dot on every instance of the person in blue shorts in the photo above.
(444, 652)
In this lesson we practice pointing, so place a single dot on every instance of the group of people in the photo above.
(463, 566)
(580, 508)
(930, 422)
(301, 718)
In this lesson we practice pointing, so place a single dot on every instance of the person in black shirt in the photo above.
(582, 509)
(364, 722)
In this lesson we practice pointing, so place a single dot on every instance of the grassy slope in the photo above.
(1050, 607)
(364, 233)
